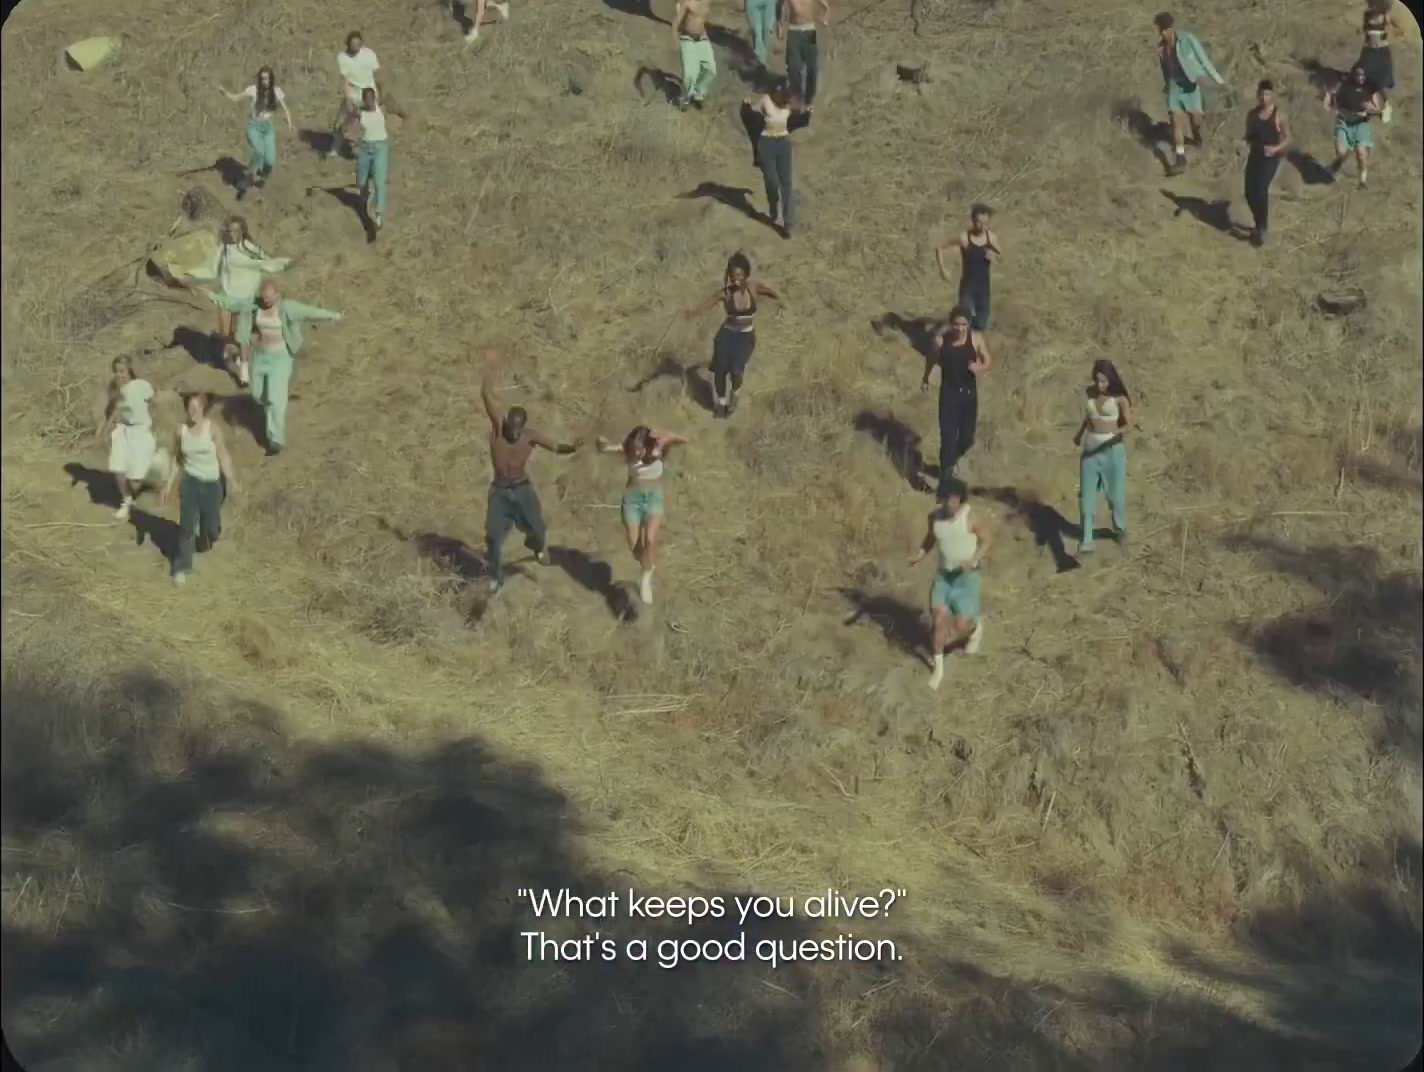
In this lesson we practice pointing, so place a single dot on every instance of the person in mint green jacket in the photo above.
(269, 330)
(1185, 67)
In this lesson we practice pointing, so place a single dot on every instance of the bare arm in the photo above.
(667, 439)
(1082, 430)
(224, 459)
(486, 392)
(825, 12)
(936, 344)
(677, 17)
(981, 352)
(231, 95)
(603, 446)
(539, 439)
(767, 292)
(290, 124)
(926, 545)
(995, 246)
(1124, 420)
(986, 540)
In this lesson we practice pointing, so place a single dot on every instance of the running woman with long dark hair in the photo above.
(266, 99)
(1107, 415)
(1268, 138)
(735, 342)
(644, 450)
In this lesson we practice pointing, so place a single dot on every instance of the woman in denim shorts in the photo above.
(643, 449)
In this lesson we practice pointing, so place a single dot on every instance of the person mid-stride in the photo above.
(373, 158)
(207, 478)
(643, 449)
(1185, 66)
(699, 66)
(128, 425)
(501, 9)
(961, 354)
(1381, 16)
(358, 66)
(802, 58)
(1107, 415)
(961, 542)
(1267, 139)
(979, 248)
(761, 24)
(773, 151)
(266, 99)
(1355, 101)
(512, 501)
(735, 341)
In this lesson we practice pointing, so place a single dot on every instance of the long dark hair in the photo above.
(640, 445)
(125, 363)
(1105, 368)
(266, 102)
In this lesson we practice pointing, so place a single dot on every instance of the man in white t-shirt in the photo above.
(358, 66)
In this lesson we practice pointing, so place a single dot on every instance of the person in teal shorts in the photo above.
(643, 449)
(1356, 101)
(1185, 66)
(961, 541)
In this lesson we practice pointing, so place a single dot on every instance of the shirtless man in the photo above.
(699, 67)
(798, 24)
(512, 501)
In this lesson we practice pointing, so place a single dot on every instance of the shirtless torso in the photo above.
(691, 18)
(511, 460)
(804, 12)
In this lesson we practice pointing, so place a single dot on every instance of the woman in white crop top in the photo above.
(778, 109)
(206, 475)
(643, 450)
(1107, 414)
(266, 99)
(373, 159)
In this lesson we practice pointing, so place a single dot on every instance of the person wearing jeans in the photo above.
(773, 151)
(1103, 464)
(266, 98)
(373, 159)
(269, 330)
(699, 66)
(761, 22)
(206, 475)
(1267, 140)
(802, 59)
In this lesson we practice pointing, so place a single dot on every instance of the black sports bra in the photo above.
(729, 303)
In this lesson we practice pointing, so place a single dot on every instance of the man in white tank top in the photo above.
(961, 540)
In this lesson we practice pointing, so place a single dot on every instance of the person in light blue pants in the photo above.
(1107, 416)
(761, 22)
(373, 159)
(266, 98)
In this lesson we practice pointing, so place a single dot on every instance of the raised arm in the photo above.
(765, 291)
(486, 392)
(311, 312)
(667, 439)
(231, 95)
(539, 439)
(603, 446)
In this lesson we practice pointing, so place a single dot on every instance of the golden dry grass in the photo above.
(1171, 819)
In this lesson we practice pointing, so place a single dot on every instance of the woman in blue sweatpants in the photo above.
(265, 98)
(1107, 415)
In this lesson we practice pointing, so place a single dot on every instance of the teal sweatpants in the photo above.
(262, 139)
(373, 165)
(1106, 468)
(271, 379)
(761, 22)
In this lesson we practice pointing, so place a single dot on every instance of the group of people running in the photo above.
(261, 331)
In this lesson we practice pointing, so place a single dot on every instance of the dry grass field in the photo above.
(1169, 819)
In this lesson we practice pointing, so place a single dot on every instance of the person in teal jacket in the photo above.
(1185, 67)
(269, 330)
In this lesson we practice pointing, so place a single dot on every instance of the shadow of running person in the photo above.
(919, 331)
(737, 197)
(1312, 171)
(204, 347)
(325, 142)
(640, 8)
(669, 86)
(350, 197)
(158, 532)
(230, 171)
(902, 625)
(1046, 524)
(1215, 214)
(690, 376)
(1149, 133)
(1322, 76)
(597, 577)
(901, 443)
(102, 489)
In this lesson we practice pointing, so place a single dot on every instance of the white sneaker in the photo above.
(503, 10)
(975, 638)
(1388, 112)
(472, 36)
(122, 513)
(938, 676)
(645, 588)
(180, 579)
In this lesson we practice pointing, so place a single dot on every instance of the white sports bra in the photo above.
(776, 119)
(646, 472)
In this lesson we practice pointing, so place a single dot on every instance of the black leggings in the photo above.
(1260, 171)
(731, 350)
(958, 416)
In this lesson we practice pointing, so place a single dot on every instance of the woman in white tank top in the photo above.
(643, 450)
(373, 157)
(1107, 414)
(960, 539)
(206, 475)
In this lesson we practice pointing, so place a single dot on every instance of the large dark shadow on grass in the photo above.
(668, 86)
(1047, 525)
(1363, 639)
(1150, 134)
(1312, 171)
(737, 197)
(901, 443)
(690, 376)
(642, 8)
(1215, 214)
(231, 172)
(596, 576)
(1322, 76)
(904, 626)
(351, 198)
(919, 331)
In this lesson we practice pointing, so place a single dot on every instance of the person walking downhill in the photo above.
(961, 542)
(1375, 56)
(979, 248)
(266, 98)
(961, 354)
(207, 478)
(512, 500)
(1103, 463)
(269, 330)
(1185, 66)
(735, 342)
(699, 65)
(1355, 102)
(643, 449)
(373, 158)
(803, 65)
(358, 66)
(501, 9)
(1268, 138)
(761, 24)
(128, 427)
(776, 107)
(238, 268)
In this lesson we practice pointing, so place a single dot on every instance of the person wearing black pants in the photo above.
(736, 340)
(799, 19)
(1267, 139)
(961, 354)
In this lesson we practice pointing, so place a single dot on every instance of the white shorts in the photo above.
(132, 451)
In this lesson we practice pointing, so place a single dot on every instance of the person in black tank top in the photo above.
(979, 248)
(1267, 141)
(961, 355)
